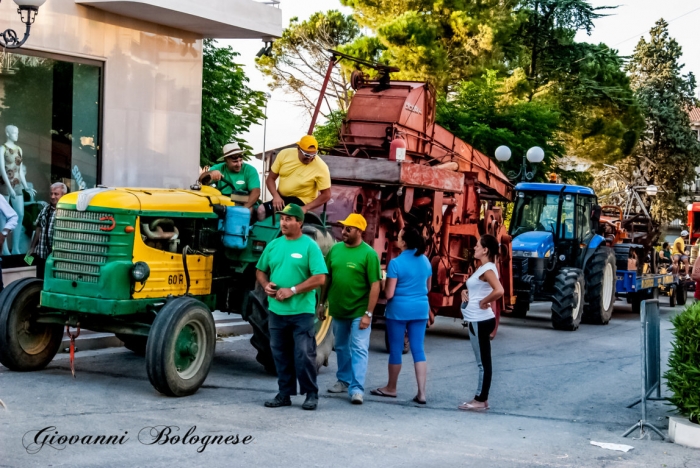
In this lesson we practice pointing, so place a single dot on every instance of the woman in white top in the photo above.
(482, 289)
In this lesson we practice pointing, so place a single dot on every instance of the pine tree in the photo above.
(668, 151)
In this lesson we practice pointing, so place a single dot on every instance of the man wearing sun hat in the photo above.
(352, 290)
(290, 269)
(233, 174)
(304, 179)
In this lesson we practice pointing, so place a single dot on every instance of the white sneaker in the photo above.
(339, 387)
(356, 398)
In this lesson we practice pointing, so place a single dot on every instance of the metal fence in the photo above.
(650, 346)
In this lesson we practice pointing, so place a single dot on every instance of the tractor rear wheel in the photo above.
(671, 293)
(25, 344)
(180, 347)
(258, 316)
(134, 343)
(681, 294)
(567, 303)
(600, 287)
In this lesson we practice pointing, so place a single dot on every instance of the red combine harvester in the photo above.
(394, 165)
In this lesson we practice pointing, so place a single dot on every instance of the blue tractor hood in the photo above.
(533, 244)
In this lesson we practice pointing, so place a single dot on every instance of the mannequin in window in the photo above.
(12, 181)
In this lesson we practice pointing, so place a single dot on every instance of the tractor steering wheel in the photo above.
(207, 181)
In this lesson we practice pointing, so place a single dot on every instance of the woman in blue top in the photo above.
(407, 309)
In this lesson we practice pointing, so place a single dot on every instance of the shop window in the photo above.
(50, 130)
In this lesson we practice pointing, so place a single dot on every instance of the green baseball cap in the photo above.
(293, 210)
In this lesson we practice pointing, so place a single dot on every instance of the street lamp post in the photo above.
(264, 155)
(28, 9)
(535, 155)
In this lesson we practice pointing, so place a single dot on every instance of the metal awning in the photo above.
(221, 19)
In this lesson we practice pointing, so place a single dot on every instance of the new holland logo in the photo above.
(296, 255)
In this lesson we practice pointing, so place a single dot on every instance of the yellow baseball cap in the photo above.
(308, 143)
(355, 220)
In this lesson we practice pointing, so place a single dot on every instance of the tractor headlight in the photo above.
(140, 272)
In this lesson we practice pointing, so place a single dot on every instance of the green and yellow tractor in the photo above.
(149, 265)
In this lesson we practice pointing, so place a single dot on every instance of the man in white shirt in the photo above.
(10, 224)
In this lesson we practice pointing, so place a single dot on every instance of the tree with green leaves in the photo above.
(531, 44)
(229, 106)
(600, 120)
(482, 114)
(440, 41)
(299, 59)
(669, 151)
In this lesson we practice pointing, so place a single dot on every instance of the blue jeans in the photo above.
(352, 351)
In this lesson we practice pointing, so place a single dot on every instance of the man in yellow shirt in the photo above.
(304, 179)
(678, 252)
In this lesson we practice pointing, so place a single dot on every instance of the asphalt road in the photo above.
(553, 393)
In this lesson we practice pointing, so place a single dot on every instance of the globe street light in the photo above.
(534, 155)
(28, 9)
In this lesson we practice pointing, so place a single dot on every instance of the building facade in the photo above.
(108, 92)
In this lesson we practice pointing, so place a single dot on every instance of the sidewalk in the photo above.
(226, 325)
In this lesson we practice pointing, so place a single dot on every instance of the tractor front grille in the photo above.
(80, 245)
(520, 267)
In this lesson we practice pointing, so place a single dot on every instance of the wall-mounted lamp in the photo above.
(28, 9)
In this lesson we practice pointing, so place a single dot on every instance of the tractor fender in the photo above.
(593, 245)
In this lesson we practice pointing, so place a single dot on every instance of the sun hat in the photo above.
(231, 149)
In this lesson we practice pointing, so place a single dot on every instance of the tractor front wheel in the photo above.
(567, 303)
(180, 347)
(25, 344)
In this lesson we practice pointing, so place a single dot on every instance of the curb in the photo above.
(226, 325)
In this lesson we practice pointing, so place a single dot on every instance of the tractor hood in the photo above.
(534, 244)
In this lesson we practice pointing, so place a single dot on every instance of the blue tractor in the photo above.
(558, 255)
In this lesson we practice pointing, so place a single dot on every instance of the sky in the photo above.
(620, 30)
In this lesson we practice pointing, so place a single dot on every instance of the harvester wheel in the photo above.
(681, 294)
(134, 343)
(258, 317)
(567, 303)
(601, 276)
(25, 345)
(180, 347)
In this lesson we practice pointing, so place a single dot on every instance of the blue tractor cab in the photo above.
(558, 255)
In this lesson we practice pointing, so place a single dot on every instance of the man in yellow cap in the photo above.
(232, 174)
(304, 179)
(352, 290)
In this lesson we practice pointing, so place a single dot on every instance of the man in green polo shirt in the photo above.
(233, 174)
(290, 269)
(352, 289)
